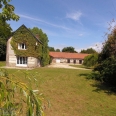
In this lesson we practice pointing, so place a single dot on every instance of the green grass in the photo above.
(2, 63)
(71, 94)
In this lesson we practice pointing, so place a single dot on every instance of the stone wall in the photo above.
(11, 59)
(10, 56)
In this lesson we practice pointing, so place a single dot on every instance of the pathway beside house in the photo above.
(64, 65)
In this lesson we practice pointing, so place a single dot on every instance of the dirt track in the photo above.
(62, 65)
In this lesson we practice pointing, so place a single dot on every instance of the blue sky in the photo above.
(78, 23)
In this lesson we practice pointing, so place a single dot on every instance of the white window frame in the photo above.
(22, 46)
(21, 61)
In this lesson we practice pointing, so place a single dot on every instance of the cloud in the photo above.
(97, 46)
(81, 34)
(74, 16)
(42, 21)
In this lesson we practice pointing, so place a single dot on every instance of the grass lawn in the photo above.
(2, 63)
(71, 94)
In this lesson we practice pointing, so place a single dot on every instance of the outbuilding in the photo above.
(64, 57)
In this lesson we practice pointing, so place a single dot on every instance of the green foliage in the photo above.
(7, 11)
(16, 98)
(109, 48)
(57, 50)
(51, 49)
(88, 51)
(107, 60)
(5, 32)
(44, 50)
(90, 60)
(23, 35)
(107, 71)
(69, 49)
(94, 75)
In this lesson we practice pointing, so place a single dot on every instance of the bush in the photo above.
(90, 60)
(107, 71)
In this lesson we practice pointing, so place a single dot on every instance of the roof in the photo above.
(67, 55)
(29, 32)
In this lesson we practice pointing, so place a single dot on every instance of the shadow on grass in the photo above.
(103, 87)
(99, 86)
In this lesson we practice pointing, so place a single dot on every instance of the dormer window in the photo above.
(22, 46)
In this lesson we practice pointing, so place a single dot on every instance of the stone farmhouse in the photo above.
(64, 57)
(22, 49)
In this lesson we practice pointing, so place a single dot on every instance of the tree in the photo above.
(90, 60)
(57, 50)
(107, 60)
(44, 50)
(69, 49)
(6, 14)
(5, 32)
(88, 51)
(7, 11)
(51, 49)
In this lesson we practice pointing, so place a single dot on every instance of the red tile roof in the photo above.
(67, 55)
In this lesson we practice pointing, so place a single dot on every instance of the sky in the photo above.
(81, 24)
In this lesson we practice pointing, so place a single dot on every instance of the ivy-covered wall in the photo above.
(33, 47)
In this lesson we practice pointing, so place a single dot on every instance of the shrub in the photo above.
(90, 60)
(107, 71)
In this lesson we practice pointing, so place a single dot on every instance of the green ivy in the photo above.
(23, 35)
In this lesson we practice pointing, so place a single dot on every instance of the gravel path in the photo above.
(62, 65)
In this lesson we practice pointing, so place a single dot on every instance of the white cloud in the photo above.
(74, 16)
(81, 34)
(42, 21)
(97, 46)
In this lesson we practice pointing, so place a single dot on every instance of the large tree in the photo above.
(5, 32)
(69, 49)
(44, 50)
(107, 60)
(88, 51)
(7, 13)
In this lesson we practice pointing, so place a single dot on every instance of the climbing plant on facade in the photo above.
(33, 46)
(44, 50)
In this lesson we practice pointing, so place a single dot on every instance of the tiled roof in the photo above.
(67, 55)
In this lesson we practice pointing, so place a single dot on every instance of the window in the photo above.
(22, 46)
(22, 61)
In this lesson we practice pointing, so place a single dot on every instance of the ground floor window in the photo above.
(21, 60)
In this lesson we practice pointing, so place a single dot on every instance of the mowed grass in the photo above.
(70, 94)
(2, 63)
(78, 66)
